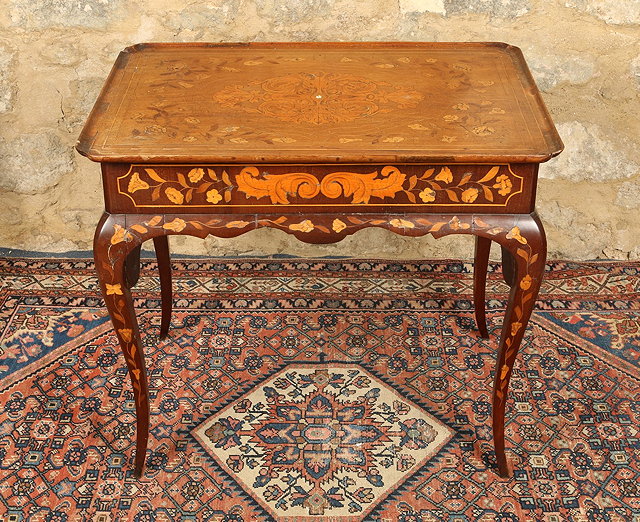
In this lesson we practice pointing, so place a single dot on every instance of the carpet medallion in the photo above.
(319, 391)
(329, 440)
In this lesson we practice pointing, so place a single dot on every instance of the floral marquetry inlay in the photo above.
(318, 98)
(232, 185)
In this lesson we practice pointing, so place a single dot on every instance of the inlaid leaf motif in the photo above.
(401, 223)
(489, 175)
(154, 175)
(237, 224)
(138, 228)
(182, 180)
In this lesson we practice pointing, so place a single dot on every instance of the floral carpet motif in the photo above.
(319, 391)
(322, 441)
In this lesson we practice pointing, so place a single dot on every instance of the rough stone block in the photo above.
(63, 51)
(33, 163)
(550, 70)
(46, 243)
(589, 155)
(611, 11)
(629, 194)
(635, 69)
(292, 12)
(76, 106)
(7, 85)
(41, 14)
(507, 9)
(422, 6)
(199, 19)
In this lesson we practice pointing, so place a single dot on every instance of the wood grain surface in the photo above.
(320, 102)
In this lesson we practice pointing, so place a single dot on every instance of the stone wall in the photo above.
(585, 55)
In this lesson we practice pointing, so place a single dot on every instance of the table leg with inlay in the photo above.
(480, 266)
(161, 246)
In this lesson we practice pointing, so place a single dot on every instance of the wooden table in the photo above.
(320, 140)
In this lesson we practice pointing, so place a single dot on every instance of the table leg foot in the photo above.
(161, 246)
(111, 250)
(527, 247)
(480, 264)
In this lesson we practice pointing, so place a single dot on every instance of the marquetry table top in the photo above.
(320, 102)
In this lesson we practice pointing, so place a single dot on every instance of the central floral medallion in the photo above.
(317, 98)
(322, 441)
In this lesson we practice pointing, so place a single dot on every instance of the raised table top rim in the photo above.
(87, 147)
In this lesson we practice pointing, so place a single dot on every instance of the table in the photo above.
(320, 140)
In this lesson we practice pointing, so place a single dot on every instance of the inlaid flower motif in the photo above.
(338, 225)
(483, 130)
(174, 195)
(470, 195)
(515, 328)
(401, 223)
(525, 284)
(456, 224)
(135, 183)
(445, 175)
(114, 289)
(427, 195)
(120, 234)
(195, 175)
(503, 182)
(177, 225)
(126, 334)
(450, 117)
(514, 233)
(460, 107)
(304, 226)
(213, 196)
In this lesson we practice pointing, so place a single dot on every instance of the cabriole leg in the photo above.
(161, 245)
(111, 249)
(480, 264)
(526, 246)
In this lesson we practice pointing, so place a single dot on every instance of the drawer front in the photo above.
(497, 188)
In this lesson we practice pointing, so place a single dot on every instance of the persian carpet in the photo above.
(319, 391)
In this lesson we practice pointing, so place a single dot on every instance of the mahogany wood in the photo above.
(508, 267)
(319, 140)
(480, 264)
(132, 267)
(161, 245)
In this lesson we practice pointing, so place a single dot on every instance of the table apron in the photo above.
(319, 188)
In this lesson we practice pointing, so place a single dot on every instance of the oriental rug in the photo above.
(319, 390)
